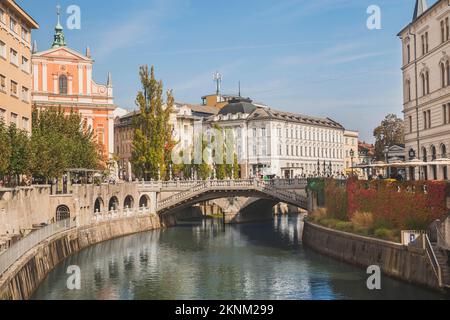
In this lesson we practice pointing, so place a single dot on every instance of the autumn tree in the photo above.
(153, 143)
(390, 132)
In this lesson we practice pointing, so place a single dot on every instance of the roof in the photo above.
(28, 19)
(415, 18)
(240, 105)
(268, 113)
(421, 7)
(202, 109)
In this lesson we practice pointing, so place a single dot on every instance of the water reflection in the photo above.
(206, 260)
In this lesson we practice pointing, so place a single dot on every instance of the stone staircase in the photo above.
(443, 260)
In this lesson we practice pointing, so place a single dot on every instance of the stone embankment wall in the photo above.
(402, 262)
(22, 279)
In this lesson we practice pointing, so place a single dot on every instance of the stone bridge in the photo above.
(267, 192)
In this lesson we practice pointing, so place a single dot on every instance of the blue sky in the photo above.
(314, 57)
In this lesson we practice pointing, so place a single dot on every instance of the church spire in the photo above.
(421, 7)
(58, 40)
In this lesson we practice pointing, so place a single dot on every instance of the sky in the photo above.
(315, 57)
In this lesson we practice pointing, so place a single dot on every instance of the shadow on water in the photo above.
(207, 260)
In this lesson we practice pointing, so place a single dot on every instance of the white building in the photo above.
(277, 143)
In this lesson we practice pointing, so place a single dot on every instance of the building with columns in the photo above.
(15, 65)
(62, 78)
(426, 82)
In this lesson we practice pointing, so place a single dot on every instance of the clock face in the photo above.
(102, 90)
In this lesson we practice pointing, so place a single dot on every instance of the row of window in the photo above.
(14, 26)
(424, 39)
(14, 89)
(309, 152)
(426, 117)
(14, 57)
(14, 119)
(313, 167)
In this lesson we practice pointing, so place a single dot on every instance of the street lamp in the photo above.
(352, 155)
(386, 154)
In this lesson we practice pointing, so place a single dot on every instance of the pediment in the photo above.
(62, 53)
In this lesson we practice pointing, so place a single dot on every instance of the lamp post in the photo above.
(412, 170)
(352, 155)
(386, 154)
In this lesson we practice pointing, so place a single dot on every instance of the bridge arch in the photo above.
(128, 203)
(144, 201)
(62, 213)
(212, 190)
(99, 204)
(113, 203)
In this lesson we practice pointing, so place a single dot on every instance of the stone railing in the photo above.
(18, 249)
(181, 185)
(266, 187)
(105, 215)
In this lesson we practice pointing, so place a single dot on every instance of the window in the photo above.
(423, 44)
(13, 25)
(100, 136)
(408, 53)
(25, 34)
(442, 75)
(427, 76)
(25, 123)
(447, 29)
(444, 113)
(25, 94)
(2, 49)
(3, 115)
(14, 118)
(14, 57)
(2, 16)
(429, 118)
(25, 65)
(62, 84)
(410, 124)
(426, 42)
(2, 83)
(442, 32)
(263, 132)
(279, 150)
(279, 132)
(254, 132)
(13, 88)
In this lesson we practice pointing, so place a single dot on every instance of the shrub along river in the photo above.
(207, 260)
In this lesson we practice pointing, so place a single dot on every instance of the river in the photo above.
(207, 260)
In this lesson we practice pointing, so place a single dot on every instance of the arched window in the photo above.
(98, 206)
(428, 81)
(62, 84)
(447, 67)
(433, 153)
(443, 75)
(62, 213)
(128, 203)
(144, 201)
(443, 151)
(424, 155)
(422, 77)
(113, 204)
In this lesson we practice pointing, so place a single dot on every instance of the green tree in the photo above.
(153, 143)
(390, 132)
(59, 142)
(19, 161)
(5, 150)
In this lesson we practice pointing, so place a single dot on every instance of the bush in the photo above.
(318, 214)
(344, 226)
(386, 234)
(363, 220)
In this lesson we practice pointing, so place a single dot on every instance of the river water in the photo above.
(207, 260)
